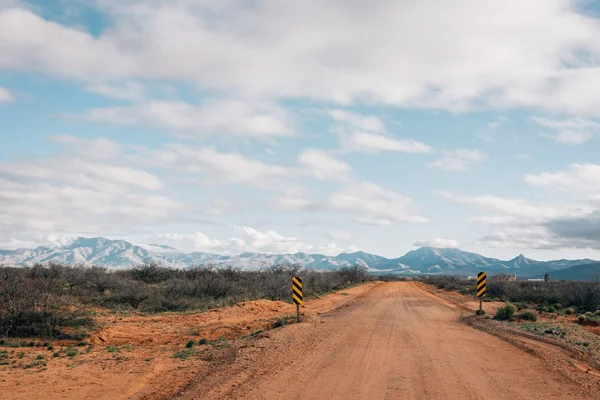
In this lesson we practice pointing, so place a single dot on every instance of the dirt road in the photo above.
(395, 342)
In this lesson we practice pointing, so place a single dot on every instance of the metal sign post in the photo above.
(297, 295)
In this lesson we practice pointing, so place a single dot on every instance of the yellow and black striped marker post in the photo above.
(481, 288)
(297, 295)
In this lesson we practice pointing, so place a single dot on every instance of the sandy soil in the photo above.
(132, 357)
(397, 341)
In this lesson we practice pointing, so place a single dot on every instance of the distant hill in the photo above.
(580, 272)
(422, 261)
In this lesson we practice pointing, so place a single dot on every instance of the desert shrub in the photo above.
(570, 311)
(505, 313)
(132, 293)
(189, 344)
(71, 352)
(480, 312)
(35, 302)
(150, 273)
(99, 279)
(583, 295)
(280, 322)
(44, 299)
(527, 316)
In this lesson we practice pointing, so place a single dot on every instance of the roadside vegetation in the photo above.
(564, 311)
(57, 301)
(562, 297)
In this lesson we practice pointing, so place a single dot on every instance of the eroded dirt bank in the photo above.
(132, 357)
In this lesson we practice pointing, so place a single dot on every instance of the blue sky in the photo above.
(302, 126)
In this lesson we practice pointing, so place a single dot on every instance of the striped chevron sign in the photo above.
(481, 284)
(297, 290)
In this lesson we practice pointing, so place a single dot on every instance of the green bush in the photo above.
(570, 311)
(582, 318)
(505, 313)
(527, 316)
(551, 309)
(480, 312)
(202, 341)
(72, 352)
(189, 344)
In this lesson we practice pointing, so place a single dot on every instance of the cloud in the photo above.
(251, 240)
(520, 209)
(340, 235)
(522, 224)
(82, 172)
(356, 121)
(459, 160)
(213, 117)
(367, 134)
(294, 199)
(375, 143)
(540, 54)
(322, 165)
(437, 242)
(580, 229)
(214, 165)
(130, 91)
(75, 192)
(6, 96)
(572, 131)
(97, 148)
(373, 205)
(577, 178)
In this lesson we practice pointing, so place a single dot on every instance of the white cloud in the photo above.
(5, 95)
(371, 204)
(252, 240)
(216, 166)
(295, 199)
(340, 235)
(376, 143)
(459, 160)
(572, 131)
(571, 123)
(216, 117)
(521, 224)
(520, 209)
(530, 237)
(322, 165)
(98, 148)
(367, 134)
(356, 121)
(77, 193)
(82, 172)
(437, 242)
(498, 122)
(538, 53)
(577, 178)
(573, 137)
(130, 91)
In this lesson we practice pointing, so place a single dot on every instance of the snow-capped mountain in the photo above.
(122, 254)
(425, 260)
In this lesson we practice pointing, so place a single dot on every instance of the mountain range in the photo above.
(422, 261)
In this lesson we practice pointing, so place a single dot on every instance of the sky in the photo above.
(282, 126)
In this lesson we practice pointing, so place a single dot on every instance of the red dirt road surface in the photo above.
(396, 341)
